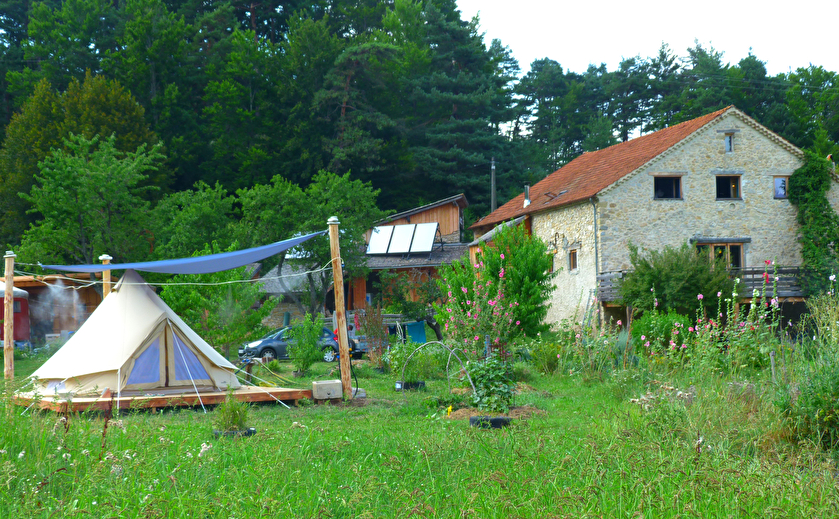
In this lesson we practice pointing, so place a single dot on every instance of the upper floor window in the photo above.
(729, 142)
(781, 186)
(572, 260)
(728, 187)
(667, 188)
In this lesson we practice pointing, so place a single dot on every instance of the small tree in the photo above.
(411, 294)
(527, 279)
(89, 199)
(372, 327)
(303, 349)
(673, 277)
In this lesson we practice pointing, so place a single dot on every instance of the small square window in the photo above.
(728, 187)
(729, 142)
(16, 307)
(667, 188)
(781, 184)
(572, 259)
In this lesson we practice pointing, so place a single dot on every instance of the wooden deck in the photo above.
(160, 400)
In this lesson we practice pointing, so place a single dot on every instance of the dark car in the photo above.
(275, 345)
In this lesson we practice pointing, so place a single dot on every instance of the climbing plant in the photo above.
(819, 223)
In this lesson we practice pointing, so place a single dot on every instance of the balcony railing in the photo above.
(788, 284)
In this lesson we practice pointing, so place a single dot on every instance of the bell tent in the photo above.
(134, 343)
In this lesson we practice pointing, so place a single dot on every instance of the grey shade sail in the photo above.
(197, 264)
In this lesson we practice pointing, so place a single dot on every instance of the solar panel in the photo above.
(424, 237)
(379, 240)
(400, 243)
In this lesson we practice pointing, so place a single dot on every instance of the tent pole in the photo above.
(9, 318)
(340, 311)
(106, 276)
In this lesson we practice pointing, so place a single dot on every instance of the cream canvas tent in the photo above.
(134, 344)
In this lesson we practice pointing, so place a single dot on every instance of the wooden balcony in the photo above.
(788, 287)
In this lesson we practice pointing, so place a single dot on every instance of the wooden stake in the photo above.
(340, 315)
(106, 276)
(9, 318)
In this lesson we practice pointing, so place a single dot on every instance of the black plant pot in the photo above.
(410, 386)
(245, 432)
(490, 422)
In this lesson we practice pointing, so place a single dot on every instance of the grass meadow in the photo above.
(631, 443)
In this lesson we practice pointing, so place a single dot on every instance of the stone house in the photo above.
(718, 181)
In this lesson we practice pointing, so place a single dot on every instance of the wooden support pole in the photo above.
(340, 315)
(106, 276)
(9, 318)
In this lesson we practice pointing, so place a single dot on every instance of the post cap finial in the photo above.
(333, 220)
(105, 257)
(10, 254)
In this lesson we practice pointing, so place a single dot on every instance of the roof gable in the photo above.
(590, 173)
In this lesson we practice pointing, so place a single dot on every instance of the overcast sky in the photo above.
(783, 35)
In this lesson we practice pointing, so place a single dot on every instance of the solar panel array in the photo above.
(402, 239)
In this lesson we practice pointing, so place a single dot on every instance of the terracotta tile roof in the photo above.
(590, 173)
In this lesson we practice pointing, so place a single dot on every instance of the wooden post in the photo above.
(9, 318)
(106, 276)
(340, 313)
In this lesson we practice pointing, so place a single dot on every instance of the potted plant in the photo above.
(303, 347)
(493, 391)
(230, 417)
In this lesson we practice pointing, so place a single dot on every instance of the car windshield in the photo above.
(274, 334)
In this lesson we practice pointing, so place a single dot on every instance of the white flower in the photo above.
(833, 277)
(21, 455)
(204, 448)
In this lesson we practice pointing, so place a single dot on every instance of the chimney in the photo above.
(526, 195)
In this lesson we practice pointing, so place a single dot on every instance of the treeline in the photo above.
(403, 95)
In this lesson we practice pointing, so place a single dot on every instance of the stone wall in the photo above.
(569, 228)
(629, 213)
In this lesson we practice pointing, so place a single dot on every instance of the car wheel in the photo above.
(268, 354)
(329, 354)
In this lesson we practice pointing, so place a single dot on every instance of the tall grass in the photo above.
(593, 454)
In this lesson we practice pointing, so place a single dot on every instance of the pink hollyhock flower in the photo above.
(619, 322)
(700, 297)
(502, 255)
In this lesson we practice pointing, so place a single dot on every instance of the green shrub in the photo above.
(493, 385)
(653, 331)
(422, 365)
(814, 413)
(303, 347)
(231, 415)
(521, 371)
(672, 278)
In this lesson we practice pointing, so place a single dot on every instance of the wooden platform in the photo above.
(160, 399)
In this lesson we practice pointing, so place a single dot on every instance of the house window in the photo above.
(728, 187)
(730, 253)
(16, 307)
(729, 142)
(572, 259)
(781, 184)
(667, 188)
